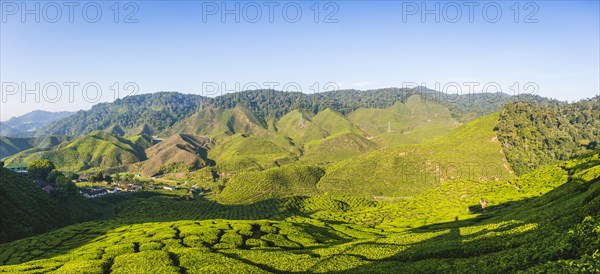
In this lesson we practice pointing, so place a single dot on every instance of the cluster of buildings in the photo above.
(18, 168)
(122, 186)
(98, 191)
(95, 191)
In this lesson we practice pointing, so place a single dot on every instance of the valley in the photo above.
(383, 181)
(228, 137)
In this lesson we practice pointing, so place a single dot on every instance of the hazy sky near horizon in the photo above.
(83, 57)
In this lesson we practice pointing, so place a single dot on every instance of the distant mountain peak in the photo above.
(26, 125)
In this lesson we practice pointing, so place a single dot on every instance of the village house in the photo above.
(134, 188)
(113, 190)
(93, 192)
(17, 168)
(47, 188)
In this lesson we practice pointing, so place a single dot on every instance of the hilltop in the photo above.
(179, 153)
(155, 113)
(10, 145)
(374, 186)
(97, 150)
(471, 151)
(147, 113)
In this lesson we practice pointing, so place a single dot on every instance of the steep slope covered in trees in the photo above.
(157, 111)
(536, 135)
(153, 114)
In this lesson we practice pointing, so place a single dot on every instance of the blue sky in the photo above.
(549, 47)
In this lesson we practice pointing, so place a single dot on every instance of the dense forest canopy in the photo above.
(147, 112)
(153, 113)
(536, 134)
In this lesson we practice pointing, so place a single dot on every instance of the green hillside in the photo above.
(239, 152)
(552, 230)
(179, 153)
(419, 118)
(290, 180)
(471, 151)
(336, 148)
(10, 146)
(213, 122)
(143, 129)
(240, 139)
(117, 130)
(28, 210)
(98, 150)
(140, 114)
(536, 135)
(299, 127)
(334, 123)
(450, 199)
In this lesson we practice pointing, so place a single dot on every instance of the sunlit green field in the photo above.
(550, 222)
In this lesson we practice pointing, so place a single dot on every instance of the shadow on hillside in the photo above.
(147, 207)
(438, 254)
(141, 208)
(493, 237)
(497, 232)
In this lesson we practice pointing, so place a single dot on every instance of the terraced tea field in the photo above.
(555, 230)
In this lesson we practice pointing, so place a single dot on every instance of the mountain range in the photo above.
(265, 128)
(349, 181)
(27, 125)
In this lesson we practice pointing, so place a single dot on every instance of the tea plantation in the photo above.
(545, 221)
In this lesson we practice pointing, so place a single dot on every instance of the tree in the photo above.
(40, 169)
(71, 175)
(108, 179)
(65, 188)
(53, 175)
(99, 177)
(117, 177)
(129, 177)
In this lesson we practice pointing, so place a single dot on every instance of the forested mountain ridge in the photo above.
(154, 113)
(26, 125)
(248, 132)
(244, 139)
(146, 113)
(533, 135)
